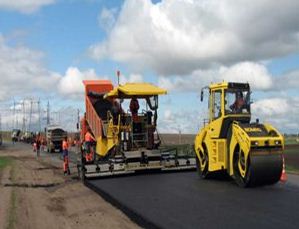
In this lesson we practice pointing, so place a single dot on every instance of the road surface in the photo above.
(182, 200)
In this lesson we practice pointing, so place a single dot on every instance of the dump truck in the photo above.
(250, 152)
(125, 142)
(54, 137)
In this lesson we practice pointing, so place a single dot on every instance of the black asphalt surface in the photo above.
(182, 200)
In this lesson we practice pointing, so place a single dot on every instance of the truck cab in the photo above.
(54, 136)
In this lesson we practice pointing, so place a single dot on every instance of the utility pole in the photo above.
(30, 115)
(48, 114)
(180, 136)
(78, 121)
(24, 120)
(118, 75)
(59, 118)
(0, 124)
(39, 119)
(14, 114)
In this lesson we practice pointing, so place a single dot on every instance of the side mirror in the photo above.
(201, 95)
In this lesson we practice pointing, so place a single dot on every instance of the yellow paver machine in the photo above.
(126, 138)
(251, 153)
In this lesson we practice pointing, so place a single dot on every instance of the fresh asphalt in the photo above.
(183, 200)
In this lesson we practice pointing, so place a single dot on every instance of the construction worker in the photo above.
(37, 144)
(115, 110)
(239, 103)
(89, 140)
(134, 107)
(65, 155)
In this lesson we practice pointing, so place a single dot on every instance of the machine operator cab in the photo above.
(137, 126)
(228, 102)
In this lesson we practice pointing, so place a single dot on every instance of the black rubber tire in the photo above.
(242, 182)
(81, 172)
(204, 174)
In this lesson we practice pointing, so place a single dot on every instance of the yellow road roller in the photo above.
(250, 152)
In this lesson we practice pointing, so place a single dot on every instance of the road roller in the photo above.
(229, 143)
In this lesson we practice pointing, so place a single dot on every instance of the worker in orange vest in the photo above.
(89, 139)
(134, 107)
(65, 154)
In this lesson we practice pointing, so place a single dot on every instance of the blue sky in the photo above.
(179, 45)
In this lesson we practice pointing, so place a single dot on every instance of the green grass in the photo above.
(5, 161)
(12, 215)
(291, 140)
(292, 169)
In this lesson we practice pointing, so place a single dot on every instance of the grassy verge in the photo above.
(5, 161)
(291, 140)
(12, 215)
(12, 212)
(292, 169)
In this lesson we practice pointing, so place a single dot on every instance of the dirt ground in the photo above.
(35, 194)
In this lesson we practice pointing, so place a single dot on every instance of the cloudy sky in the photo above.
(47, 47)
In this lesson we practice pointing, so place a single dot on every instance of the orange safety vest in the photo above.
(65, 145)
(88, 137)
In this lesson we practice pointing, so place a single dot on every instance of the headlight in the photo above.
(277, 142)
(254, 143)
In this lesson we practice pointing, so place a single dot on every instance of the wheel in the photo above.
(241, 168)
(202, 164)
(81, 171)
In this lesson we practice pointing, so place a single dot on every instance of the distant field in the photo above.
(291, 140)
(176, 139)
(292, 157)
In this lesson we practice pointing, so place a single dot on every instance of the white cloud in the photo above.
(179, 121)
(71, 85)
(282, 113)
(132, 78)
(107, 18)
(178, 37)
(271, 107)
(23, 74)
(24, 6)
(255, 74)
(22, 71)
(289, 80)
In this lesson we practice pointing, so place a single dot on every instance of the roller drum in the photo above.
(265, 169)
(262, 168)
